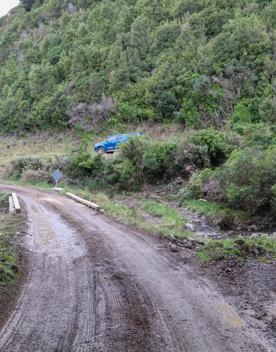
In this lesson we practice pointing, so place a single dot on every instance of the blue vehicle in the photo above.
(113, 142)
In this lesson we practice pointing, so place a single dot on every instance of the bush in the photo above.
(246, 182)
(215, 143)
(123, 174)
(27, 4)
(19, 165)
(95, 166)
(259, 135)
(140, 161)
(162, 161)
(159, 161)
(35, 169)
(190, 157)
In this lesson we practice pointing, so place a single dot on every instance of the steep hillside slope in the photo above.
(198, 62)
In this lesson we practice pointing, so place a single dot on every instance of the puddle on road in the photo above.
(231, 316)
(52, 235)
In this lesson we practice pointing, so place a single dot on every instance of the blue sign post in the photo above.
(57, 176)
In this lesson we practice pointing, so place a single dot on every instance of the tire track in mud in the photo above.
(98, 286)
(46, 302)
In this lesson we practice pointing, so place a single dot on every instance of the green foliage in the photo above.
(159, 160)
(215, 142)
(8, 252)
(197, 62)
(170, 215)
(172, 222)
(19, 165)
(243, 113)
(140, 161)
(241, 248)
(246, 181)
(27, 4)
(216, 213)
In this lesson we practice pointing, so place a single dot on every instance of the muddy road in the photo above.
(95, 285)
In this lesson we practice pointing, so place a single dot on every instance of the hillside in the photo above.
(203, 68)
(200, 63)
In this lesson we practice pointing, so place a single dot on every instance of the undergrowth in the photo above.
(241, 248)
(217, 214)
(8, 246)
(170, 222)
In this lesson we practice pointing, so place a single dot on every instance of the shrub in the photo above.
(95, 166)
(215, 143)
(246, 181)
(259, 135)
(159, 161)
(190, 157)
(139, 161)
(19, 165)
(195, 187)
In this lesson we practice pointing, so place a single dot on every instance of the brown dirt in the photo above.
(251, 287)
(95, 285)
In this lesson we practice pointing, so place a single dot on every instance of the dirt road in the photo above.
(95, 285)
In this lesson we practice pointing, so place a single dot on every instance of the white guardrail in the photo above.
(14, 206)
(83, 201)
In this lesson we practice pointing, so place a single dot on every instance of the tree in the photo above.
(27, 4)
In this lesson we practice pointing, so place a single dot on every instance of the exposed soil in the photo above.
(251, 287)
(95, 285)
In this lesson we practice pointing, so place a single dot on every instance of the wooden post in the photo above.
(11, 205)
(83, 201)
(16, 203)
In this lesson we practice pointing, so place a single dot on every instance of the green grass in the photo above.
(241, 248)
(4, 199)
(41, 146)
(216, 213)
(171, 222)
(36, 184)
(8, 248)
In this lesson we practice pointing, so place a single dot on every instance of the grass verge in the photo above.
(241, 248)
(8, 248)
(40, 146)
(170, 222)
(217, 214)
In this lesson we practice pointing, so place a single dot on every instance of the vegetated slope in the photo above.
(208, 65)
(197, 62)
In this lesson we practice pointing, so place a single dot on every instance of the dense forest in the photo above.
(201, 63)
